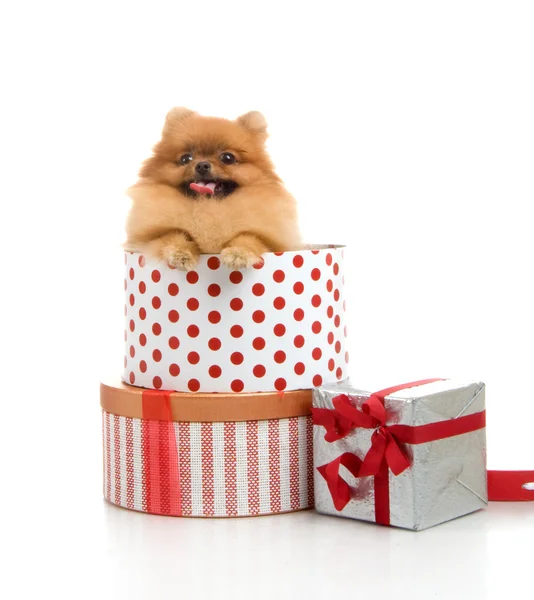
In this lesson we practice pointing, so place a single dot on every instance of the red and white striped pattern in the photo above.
(208, 469)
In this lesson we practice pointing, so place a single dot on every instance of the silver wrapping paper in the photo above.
(447, 478)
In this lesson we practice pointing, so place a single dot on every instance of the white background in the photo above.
(404, 129)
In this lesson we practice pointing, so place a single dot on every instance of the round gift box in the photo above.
(275, 327)
(203, 455)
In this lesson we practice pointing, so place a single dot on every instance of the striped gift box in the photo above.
(215, 468)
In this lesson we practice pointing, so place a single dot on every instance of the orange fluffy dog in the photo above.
(210, 187)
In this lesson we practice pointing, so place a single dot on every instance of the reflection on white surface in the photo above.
(308, 555)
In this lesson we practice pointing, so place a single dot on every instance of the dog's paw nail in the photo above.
(183, 260)
(239, 258)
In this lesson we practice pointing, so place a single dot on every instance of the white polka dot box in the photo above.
(207, 455)
(276, 327)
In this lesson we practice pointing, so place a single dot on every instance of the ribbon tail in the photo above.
(375, 455)
(339, 489)
(395, 457)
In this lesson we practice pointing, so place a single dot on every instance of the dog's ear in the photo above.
(253, 121)
(176, 116)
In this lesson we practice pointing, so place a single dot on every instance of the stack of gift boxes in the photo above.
(213, 415)
(235, 402)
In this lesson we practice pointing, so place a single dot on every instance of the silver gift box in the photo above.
(447, 478)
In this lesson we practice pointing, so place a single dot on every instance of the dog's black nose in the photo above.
(202, 168)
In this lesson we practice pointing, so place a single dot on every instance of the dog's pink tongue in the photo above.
(203, 188)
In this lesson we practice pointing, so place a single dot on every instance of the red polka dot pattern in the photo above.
(193, 358)
(236, 331)
(280, 357)
(298, 315)
(258, 316)
(214, 317)
(279, 330)
(299, 341)
(279, 303)
(193, 385)
(237, 386)
(280, 384)
(258, 289)
(236, 304)
(279, 326)
(237, 358)
(193, 331)
(193, 304)
(298, 261)
(259, 371)
(213, 263)
(214, 290)
(214, 344)
(300, 368)
(215, 371)
(236, 277)
(258, 343)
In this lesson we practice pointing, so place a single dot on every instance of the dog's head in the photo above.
(210, 156)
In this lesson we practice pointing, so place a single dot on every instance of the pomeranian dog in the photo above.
(210, 188)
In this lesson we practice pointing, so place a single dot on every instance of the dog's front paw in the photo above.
(239, 258)
(181, 259)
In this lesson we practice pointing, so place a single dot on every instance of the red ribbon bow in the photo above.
(386, 452)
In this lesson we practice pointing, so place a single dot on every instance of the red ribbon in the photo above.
(386, 452)
(511, 486)
(161, 465)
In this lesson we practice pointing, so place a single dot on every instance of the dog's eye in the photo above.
(227, 158)
(185, 158)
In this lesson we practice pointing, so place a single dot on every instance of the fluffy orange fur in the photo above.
(175, 225)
